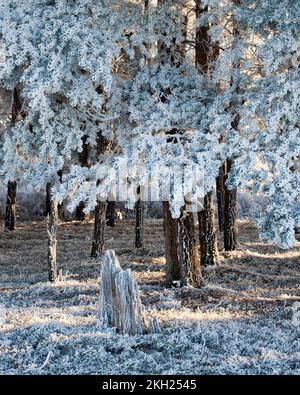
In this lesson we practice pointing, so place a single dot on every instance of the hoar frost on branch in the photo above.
(97, 68)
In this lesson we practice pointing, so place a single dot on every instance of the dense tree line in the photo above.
(166, 87)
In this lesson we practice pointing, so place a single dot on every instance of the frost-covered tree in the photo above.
(275, 107)
(48, 51)
(264, 89)
(124, 71)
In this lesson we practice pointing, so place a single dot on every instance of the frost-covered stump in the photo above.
(120, 304)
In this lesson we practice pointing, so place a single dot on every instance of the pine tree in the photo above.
(207, 231)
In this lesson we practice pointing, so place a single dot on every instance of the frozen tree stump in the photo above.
(120, 304)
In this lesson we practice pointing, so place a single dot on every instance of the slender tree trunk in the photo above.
(230, 211)
(207, 231)
(139, 222)
(11, 206)
(52, 241)
(60, 206)
(173, 270)
(99, 229)
(11, 200)
(84, 162)
(110, 214)
(220, 190)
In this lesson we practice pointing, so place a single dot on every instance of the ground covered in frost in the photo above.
(244, 321)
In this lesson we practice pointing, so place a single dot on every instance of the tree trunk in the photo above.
(60, 206)
(202, 40)
(220, 190)
(173, 270)
(181, 250)
(52, 241)
(110, 214)
(80, 215)
(48, 201)
(11, 206)
(207, 232)
(139, 222)
(11, 200)
(189, 252)
(208, 240)
(99, 229)
(230, 210)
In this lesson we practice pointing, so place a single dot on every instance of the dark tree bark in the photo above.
(189, 252)
(173, 269)
(80, 214)
(110, 213)
(207, 232)
(11, 206)
(220, 190)
(139, 222)
(48, 201)
(202, 41)
(99, 229)
(84, 161)
(181, 250)
(52, 240)
(230, 211)
(11, 200)
(100, 209)
(60, 206)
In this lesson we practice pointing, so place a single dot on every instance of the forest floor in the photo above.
(246, 320)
